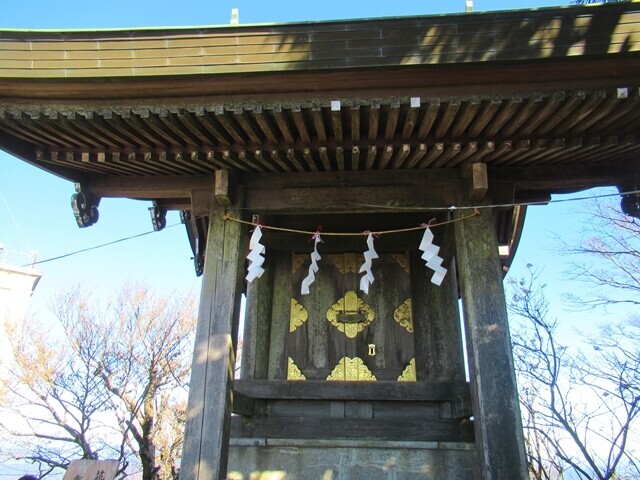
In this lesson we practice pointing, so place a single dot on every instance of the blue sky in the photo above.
(138, 13)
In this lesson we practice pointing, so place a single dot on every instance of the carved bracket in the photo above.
(158, 216)
(629, 203)
(85, 206)
(196, 231)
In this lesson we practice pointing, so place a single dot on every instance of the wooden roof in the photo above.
(375, 43)
(548, 99)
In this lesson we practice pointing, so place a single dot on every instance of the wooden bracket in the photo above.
(476, 176)
(200, 202)
(85, 206)
(223, 187)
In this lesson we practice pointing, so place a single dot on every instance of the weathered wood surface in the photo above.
(379, 409)
(526, 178)
(92, 470)
(428, 40)
(439, 354)
(257, 332)
(321, 390)
(498, 432)
(595, 143)
(351, 428)
(317, 346)
(281, 309)
(209, 406)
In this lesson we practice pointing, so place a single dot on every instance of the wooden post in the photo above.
(209, 408)
(496, 411)
(257, 334)
(439, 355)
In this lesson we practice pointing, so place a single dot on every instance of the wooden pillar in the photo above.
(439, 355)
(257, 332)
(497, 422)
(209, 409)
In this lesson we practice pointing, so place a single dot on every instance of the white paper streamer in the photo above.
(255, 257)
(430, 256)
(313, 268)
(369, 256)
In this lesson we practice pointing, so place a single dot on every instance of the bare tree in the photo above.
(607, 259)
(579, 409)
(119, 380)
(52, 396)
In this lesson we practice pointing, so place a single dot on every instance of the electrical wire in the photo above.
(95, 247)
(451, 208)
(497, 205)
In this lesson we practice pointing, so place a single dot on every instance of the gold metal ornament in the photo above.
(298, 315)
(344, 262)
(351, 369)
(409, 373)
(293, 372)
(404, 315)
(372, 349)
(350, 315)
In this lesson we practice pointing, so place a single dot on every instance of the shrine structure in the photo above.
(360, 126)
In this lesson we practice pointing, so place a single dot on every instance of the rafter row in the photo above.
(401, 119)
(524, 152)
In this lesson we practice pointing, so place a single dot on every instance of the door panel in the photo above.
(339, 333)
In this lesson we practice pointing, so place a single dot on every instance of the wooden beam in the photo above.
(223, 187)
(210, 397)
(355, 123)
(477, 180)
(347, 200)
(449, 430)
(283, 124)
(563, 178)
(350, 191)
(498, 427)
(147, 187)
(385, 391)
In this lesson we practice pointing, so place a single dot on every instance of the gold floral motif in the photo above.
(298, 315)
(293, 372)
(404, 316)
(402, 259)
(350, 304)
(344, 262)
(351, 369)
(409, 373)
(297, 259)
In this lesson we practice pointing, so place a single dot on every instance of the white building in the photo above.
(16, 286)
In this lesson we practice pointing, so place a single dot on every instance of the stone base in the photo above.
(342, 460)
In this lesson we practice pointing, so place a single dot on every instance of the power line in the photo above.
(95, 247)
(451, 208)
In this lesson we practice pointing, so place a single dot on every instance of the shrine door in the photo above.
(337, 332)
